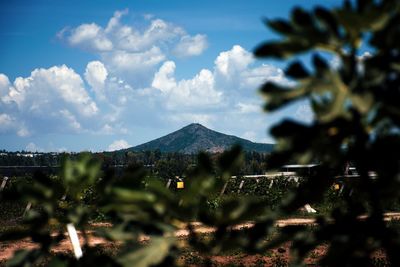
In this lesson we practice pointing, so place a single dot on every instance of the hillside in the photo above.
(195, 137)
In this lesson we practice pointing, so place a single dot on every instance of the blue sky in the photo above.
(100, 75)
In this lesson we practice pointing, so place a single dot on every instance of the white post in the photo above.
(309, 209)
(168, 183)
(224, 188)
(73, 236)
(28, 207)
(270, 184)
(240, 186)
(341, 190)
(351, 192)
(3, 184)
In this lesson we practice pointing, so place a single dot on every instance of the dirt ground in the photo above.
(274, 258)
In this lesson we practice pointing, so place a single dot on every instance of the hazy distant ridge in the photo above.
(195, 137)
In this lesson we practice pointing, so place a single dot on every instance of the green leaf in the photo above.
(277, 96)
(132, 196)
(320, 64)
(20, 258)
(282, 50)
(302, 18)
(150, 254)
(280, 26)
(57, 262)
(297, 71)
(328, 19)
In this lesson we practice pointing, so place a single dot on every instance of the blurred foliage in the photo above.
(357, 118)
(138, 206)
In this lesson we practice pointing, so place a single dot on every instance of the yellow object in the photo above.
(336, 186)
(180, 185)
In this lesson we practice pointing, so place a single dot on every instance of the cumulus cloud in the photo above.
(191, 45)
(134, 81)
(128, 49)
(96, 75)
(90, 37)
(4, 84)
(195, 92)
(59, 85)
(233, 79)
(231, 62)
(118, 144)
(56, 100)
(47, 99)
(254, 77)
(164, 79)
(72, 122)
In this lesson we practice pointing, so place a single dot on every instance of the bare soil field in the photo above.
(275, 257)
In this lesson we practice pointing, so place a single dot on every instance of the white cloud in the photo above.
(255, 77)
(231, 62)
(9, 124)
(115, 20)
(32, 147)
(199, 91)
(233, 80)
(58, 85)
(71, 120)
(248, 108)
(96, 75)
(164, 79)
(133, 51)
(90, 37)
(6, 122)
(53, 99)
(109, 129)
(234, 70)
(191, 45)
(304, 113)
(118, 144)
(186, 118)
(122, 61)
(4, 84)
(134, 83)
(23, 132)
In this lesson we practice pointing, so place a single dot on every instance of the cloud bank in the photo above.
(133, 82)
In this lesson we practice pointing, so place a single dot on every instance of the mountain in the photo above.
(195, 137)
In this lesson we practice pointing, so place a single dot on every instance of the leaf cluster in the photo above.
(356, 120)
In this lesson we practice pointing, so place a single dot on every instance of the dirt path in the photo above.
(7, 249)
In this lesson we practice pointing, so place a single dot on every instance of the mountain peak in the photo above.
(195, 125)
(195, 137)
